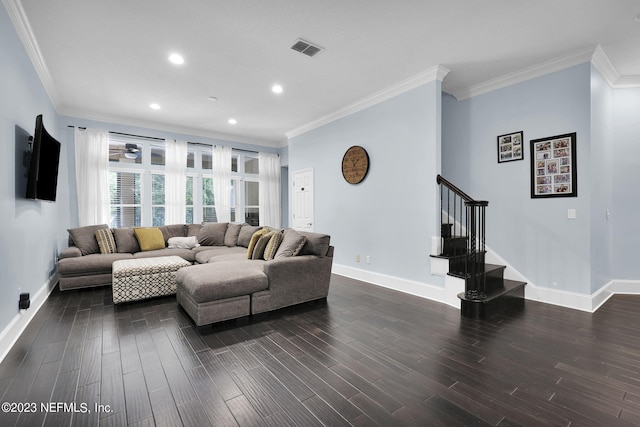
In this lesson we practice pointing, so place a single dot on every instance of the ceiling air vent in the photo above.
(306, 48)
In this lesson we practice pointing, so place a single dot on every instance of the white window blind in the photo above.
(125, 190)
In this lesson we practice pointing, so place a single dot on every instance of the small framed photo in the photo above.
(510, 147)
(553, 166)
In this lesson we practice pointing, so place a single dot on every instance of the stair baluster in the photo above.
(463, 235)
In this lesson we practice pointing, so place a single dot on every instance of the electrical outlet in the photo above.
(24, 301)
(368, 259)
(357, 258)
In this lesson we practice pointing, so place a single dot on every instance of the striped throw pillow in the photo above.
(106, 242)
(273, 245)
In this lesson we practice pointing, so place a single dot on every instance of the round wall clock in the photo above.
(355, 164)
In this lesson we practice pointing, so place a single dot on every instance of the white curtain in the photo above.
(92, 176)
(222, 182)
(269, 193)
(175, 182)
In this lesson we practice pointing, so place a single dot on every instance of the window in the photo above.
(125, 189)
(157, 200)
(245, 187)
(137, 183)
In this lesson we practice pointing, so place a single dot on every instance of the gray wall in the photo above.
(626, 183)
(392, 214)
(31, 231)
(533, 235)
(601, 174)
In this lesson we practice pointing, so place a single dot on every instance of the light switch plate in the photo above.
(571, 214)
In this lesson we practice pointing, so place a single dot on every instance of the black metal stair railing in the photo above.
(462, 230)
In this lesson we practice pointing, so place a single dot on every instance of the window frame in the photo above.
(198, 173)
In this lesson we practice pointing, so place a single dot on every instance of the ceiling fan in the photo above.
(128, 151)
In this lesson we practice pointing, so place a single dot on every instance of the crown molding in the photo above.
(556, 64)
(432, 74)
(164, 127)
(601, 62)
(21, 24)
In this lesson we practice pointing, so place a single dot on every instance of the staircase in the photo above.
(463, 243)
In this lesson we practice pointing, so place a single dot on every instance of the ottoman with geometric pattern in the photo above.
(141, 278)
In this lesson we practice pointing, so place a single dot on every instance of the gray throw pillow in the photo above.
(193, 229)
(126, 241)
(317, 244)
(84, 238)
(261, 245)
(231, 236)
(246, 232)
(291, 245)
(212, 233)
(173, 230)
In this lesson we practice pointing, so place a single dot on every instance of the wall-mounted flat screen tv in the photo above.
(42, 180)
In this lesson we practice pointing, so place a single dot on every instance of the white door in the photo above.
(303, 200)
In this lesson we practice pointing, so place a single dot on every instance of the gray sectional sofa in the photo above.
(224, 282)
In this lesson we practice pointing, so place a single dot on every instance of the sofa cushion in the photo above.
(212, 233)
(317, 244)
(126, 241)
(193, 229)
(92, 264)
(186, 254)
(246, 232)
(149, 238)
(273, 245)
(211, 282)
(85, 238)
(292, 243)
(106, 242)
(173, 230)
(213, 252)
(254, 240)
(231, 236)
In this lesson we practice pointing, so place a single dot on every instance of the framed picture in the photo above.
(553, 166)
(510, 147)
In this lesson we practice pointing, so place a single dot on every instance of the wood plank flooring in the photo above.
(369, 356)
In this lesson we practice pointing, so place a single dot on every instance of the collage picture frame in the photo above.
(510, 147)
(554, 166)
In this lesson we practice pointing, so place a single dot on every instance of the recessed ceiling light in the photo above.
(176, 59)
(154, 106)
(232, 121)
(276, 88)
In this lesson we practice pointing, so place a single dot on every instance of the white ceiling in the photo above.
(107, 60)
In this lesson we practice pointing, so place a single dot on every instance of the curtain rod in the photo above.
(162, 139)
(122, 133)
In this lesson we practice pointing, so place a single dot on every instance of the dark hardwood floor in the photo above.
(369, 356)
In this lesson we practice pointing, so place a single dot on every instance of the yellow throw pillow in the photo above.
(254, 240)
(149, 239)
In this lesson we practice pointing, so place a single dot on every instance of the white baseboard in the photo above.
(420, 289)
(14, 329)
(453, 286)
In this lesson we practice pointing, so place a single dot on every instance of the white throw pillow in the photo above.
(183, 242)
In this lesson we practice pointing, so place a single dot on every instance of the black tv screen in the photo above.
(42, 181)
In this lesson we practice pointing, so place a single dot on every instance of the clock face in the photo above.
(355, 164)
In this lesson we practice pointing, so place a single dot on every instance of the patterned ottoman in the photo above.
(140, 278)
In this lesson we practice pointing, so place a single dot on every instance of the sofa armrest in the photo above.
(299, 278)
(70, 252)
